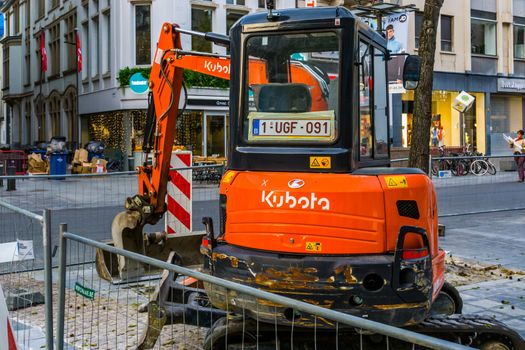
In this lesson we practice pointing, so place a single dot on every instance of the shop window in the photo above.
(483, 37)
(418, 27)
(107, 128)
(142, 34)
(189, 132)
(215, 135)
(380, 106)
(365, 112)
(261, 4)
(519, 41)
(446, 33)
(201, 22)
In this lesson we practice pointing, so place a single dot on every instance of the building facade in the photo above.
(39, 104)
(480, 50)
(116, 36)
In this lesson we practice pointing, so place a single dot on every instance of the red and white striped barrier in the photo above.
(178, 216)
(7, 340)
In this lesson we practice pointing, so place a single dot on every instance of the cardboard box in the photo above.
(98, 165)
(36, 165)
(81, 156)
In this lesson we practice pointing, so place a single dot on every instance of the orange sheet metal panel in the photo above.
(306, 213)
(410, 187)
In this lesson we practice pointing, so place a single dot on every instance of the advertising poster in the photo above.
(396, 31)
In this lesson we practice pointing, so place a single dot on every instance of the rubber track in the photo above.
(478, 328)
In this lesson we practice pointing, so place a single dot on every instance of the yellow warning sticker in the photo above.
(396, 181)
(320, 162)
(314, 246)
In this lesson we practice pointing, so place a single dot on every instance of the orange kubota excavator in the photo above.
(309, 206)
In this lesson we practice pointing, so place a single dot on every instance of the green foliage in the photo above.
(191, 78)
(125, 74)
(196, 79)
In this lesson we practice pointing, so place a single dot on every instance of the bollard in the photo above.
(2, 173)
(11, 183)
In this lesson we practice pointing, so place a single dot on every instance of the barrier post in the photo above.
(48, 282)
(61, 288)
(11, 183)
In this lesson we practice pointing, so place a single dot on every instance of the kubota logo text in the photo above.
(276, 199)
(216, 67)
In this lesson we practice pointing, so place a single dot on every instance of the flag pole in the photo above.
(78, 94)
(40, 98)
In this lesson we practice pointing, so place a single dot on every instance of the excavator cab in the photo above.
(310, 207)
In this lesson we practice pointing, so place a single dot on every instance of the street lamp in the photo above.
(78, 89)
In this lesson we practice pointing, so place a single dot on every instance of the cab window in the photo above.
(373, 106)
(380, 105)
(365, 111)
(292, 88)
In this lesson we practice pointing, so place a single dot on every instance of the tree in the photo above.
(421, 124)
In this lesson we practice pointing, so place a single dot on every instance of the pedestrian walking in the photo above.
(518, 148)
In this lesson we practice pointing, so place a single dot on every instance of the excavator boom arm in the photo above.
(165, 84)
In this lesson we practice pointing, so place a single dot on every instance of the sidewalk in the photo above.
(495, 239)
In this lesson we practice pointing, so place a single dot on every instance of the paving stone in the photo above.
(485, 303)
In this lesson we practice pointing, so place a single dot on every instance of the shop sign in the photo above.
(138, 83)
(213, 103)
(463, 102)
(511, 85)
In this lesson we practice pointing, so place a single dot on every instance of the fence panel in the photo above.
(24, 274)
(467, 185)
(97, 314)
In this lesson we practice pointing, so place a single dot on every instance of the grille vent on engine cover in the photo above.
(408, 209)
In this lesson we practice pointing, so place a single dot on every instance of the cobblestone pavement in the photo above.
(495, 239)
(502, 299)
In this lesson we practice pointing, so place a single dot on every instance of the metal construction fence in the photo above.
(477, 184)
(66, 294)
(25, 273)
(94, 313)
(71, 306)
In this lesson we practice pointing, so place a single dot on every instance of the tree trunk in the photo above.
(422, 119)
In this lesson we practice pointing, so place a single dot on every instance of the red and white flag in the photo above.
(43, 53)
(79, 52)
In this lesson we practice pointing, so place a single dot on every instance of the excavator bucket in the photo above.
(127, 234)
